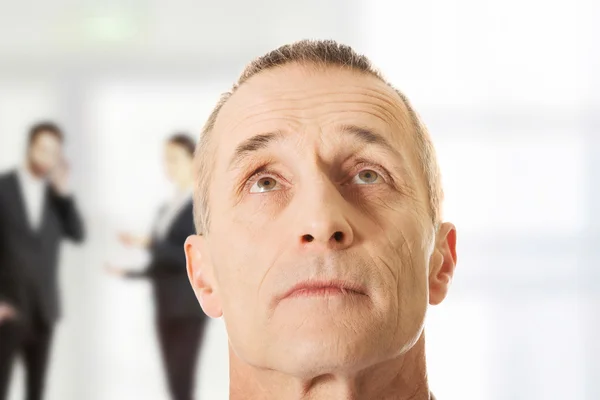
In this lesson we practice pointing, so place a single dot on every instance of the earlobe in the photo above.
(201, 276)
(442, 263)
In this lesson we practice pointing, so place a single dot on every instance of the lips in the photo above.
(324, 288)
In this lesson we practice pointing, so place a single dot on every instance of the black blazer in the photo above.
(173, 292)
(28, 258)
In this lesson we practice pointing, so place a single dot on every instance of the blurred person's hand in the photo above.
(119, 272)
(59, 178)
(131, 240)
(7, 312)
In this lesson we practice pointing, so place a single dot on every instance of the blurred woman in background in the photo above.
(179, 319)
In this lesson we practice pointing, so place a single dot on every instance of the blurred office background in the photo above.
(509, 90)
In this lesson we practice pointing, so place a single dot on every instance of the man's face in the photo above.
(44, 153)
(316, 183)
(178, 162)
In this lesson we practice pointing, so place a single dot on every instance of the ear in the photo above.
(201, 274)
(442, 263)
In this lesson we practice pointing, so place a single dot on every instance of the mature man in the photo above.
(36, 211)
(318, 208)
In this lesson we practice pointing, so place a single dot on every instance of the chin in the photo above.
(312, 352)
(318, 361)
(319, 346)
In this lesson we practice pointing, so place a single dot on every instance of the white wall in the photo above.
(21, 102)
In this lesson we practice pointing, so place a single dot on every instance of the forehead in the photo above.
(47, 139)
(301, 95)
(172, 147)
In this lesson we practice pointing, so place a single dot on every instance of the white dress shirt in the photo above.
(33, 191)
(170, 212)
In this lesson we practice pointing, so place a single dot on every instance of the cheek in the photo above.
(409, 256)
(235, 282)
(264, 213)
(48, 158)
(402, 247)
(36, 156)
(183, 165)
(242, 256)
(258, 221)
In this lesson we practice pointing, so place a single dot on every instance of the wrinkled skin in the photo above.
(317, 198)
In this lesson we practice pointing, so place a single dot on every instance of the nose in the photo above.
(325, 222)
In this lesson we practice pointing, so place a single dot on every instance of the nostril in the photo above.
(338, 236)
(308, 238)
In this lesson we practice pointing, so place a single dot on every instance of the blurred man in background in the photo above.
(180, 322)
(37, 210)
(320, 239)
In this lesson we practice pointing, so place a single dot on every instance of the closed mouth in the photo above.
(324, 288)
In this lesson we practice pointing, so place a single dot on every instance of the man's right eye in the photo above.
(265, 184)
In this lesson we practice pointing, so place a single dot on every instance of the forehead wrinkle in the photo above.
(380, 102)
(297, 136)
(264, 111)
(285, 92)
(395, 112)
(233, 120)
(390, 124)
(394, 108)
(250, 123)
(267, 95)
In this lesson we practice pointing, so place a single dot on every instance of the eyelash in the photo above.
(263, 171)
(363, 165)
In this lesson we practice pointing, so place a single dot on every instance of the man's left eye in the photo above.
(367, 177)
(265, 184)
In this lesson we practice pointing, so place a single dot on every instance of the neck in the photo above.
(400, 378)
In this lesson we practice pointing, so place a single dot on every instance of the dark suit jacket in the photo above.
(167, 269)
(28, 258)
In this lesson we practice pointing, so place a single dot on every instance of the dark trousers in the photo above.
(31, 341)
(180, 340)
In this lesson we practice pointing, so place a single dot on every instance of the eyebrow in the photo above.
(253, 144)
(265, 140)
(368, 136)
